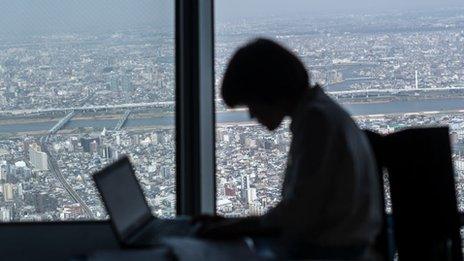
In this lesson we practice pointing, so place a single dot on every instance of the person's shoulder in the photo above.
(314, 111)
(313, 116)
(329, 104)
(323, 108)
(320, 110)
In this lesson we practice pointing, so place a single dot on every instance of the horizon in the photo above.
(55, 16)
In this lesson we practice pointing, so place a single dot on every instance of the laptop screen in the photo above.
(123, 196)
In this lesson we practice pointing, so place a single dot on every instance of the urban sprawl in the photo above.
(73, 103)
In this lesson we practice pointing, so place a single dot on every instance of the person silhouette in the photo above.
(330, 203)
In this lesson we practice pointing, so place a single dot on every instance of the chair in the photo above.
(425, 217)
(384, 243)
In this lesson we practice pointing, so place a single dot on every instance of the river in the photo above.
(392, 107)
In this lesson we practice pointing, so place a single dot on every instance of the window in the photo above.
(82, 83)
(390, 69)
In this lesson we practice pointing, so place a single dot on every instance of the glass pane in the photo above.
(389, 69)
(82, 83)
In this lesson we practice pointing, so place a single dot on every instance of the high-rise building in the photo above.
(255, 210)
(3, 172)
(114, 155)
(268, 144)
(90, 144)
(118, 139)
(3, 100)
(93, 146)
(26, 145)
(135, 140)
(334, 76)
(8, 192)
(229, 191)
(250, 142)
(106, 152)
(5, 214)
(245, 189)
(154, 138)
(19, 191)
(38, 158)
(126, 84)
(251, 196)
(416, 80)
(72, 211)
(165, 172)
(113, 83)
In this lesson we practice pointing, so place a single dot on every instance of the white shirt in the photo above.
(331, 194)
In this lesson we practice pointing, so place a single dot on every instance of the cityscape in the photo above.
(390, 71)
(72, 103)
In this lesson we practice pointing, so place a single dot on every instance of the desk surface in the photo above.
(53, 241)
(57, 241)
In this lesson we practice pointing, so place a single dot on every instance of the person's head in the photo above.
(267, 78)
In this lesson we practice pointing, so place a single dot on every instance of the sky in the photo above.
(230, 9)
(26, 16)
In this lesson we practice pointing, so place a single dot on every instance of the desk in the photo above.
(53, 241)
(57, 241)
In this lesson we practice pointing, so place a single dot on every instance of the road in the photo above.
(53, 165)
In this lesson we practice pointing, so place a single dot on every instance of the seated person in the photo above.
(330, 195)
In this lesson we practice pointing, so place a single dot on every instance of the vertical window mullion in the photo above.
(194, 107)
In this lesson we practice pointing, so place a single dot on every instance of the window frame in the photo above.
(195, 108)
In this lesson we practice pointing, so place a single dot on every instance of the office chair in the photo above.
(384, 244)
(421, 176)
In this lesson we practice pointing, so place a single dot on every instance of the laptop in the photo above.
(130, 215)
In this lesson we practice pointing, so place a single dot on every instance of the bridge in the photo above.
(358, 79)
(396, 91)
(170, 104)
(92, 108)
(336, 64)
(61, 123)
(122, 121)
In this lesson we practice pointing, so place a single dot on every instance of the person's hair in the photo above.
(263, 71)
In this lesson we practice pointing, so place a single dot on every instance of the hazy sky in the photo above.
(25, 16)
(66, 15)
(228, 9)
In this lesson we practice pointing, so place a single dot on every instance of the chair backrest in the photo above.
(421, 176)
(384, 244)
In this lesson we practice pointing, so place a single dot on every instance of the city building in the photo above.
(126, 84)
(5, 214)
(7, 191)
(38, 158)
(90, 144)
